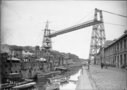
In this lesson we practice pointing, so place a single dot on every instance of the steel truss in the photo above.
(98, 37)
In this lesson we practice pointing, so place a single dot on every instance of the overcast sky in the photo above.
(23, 22)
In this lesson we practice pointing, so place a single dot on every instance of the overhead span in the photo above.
(75, 27)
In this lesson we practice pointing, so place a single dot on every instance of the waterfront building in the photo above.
(26, 69)
(115, 54)
(30, 68)
(65, 58)
(10, 67)
(16, 51)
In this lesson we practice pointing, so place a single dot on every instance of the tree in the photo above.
(16, 48)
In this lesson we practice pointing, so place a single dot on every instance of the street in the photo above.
(111, 78)
(84, 81)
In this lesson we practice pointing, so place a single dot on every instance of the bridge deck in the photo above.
(75, 27)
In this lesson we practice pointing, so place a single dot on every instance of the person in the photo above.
(102, 65)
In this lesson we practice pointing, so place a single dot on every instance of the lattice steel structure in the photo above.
(46, 44)
(98, 36)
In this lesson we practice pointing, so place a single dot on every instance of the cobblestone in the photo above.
(108, 79)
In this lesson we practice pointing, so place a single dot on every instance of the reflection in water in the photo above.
(75, 76)
(71, 85)
(65, 83)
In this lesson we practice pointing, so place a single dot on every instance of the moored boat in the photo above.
(30, 85)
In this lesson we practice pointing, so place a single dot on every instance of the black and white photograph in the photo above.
(63, 45)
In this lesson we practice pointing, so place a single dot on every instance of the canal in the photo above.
(60, 82)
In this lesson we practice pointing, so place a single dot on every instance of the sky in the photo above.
(23, 23)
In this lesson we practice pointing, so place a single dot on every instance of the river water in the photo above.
(72, 82)
(69, 85)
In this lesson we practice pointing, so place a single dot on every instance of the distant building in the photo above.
(70, 62)
(26, 53)
(16, 53)
(30, 68)
(25, 69)
(15, 65)
(5, 49)
(12, 50)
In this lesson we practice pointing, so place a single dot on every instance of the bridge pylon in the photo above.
(98, 37)
(46, 44)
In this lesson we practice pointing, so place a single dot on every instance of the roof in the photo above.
(41, 59)
(114, 41)
(14, 59)
(61, 67)
(14, 75)
(108, 42)
(26, 53)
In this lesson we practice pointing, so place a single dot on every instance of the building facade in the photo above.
(115, 54)
(30, 68)
(10, 66)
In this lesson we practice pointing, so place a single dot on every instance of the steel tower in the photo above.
(46, 44)
(98, 36)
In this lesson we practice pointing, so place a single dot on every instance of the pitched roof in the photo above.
(115, 40)
(108, 42)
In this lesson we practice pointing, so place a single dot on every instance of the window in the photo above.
(115, 59)
(124, 43)
(117, 46)
(121, 59)
(125, 59)
(120, 44)
(118, 60)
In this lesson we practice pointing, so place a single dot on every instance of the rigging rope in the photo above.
(85, 17)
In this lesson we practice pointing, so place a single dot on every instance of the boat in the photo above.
(24, 86)
(49, 74)
(6, 86)
(53, 86)
(59, 79)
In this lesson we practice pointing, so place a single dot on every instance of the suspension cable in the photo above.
(115, 14)
(85, 17)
